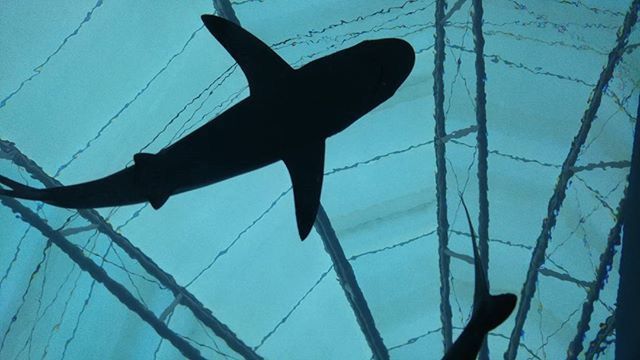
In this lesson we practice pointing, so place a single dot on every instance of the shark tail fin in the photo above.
(20, 191)
(147, 175)
(490, 310)
(481, 283)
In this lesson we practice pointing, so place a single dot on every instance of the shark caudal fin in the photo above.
(261, 65)
(481, 284)
(497, 307)
(20, 191)
(489, 311)
(306, 167)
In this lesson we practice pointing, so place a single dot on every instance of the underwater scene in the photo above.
(289, 179)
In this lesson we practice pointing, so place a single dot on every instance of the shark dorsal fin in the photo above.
(261, 65)
(306, 166)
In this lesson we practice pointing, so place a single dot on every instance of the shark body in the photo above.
(288, 115)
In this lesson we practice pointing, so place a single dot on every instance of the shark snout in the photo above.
(395, 59)
(400, 58)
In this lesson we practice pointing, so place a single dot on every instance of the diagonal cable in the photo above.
(349, 284)
(96, 272)
(559, 193)
(189, 300)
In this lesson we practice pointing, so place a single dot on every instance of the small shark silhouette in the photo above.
(489, 311)
(287, 116)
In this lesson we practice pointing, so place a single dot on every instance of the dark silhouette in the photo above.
(287, 116)
(489, 311)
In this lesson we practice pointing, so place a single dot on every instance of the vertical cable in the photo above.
(483, 152)
(441, 176)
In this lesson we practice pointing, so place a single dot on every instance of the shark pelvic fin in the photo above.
(306, 166)
(258, 61)
(147, 178)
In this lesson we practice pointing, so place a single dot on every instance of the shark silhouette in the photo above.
(489, 311)
(288, 115)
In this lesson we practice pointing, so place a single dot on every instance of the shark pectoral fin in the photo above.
(258, 61)
(149, 180)
(306, 166)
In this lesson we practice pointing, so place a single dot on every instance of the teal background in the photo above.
(84, 85)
